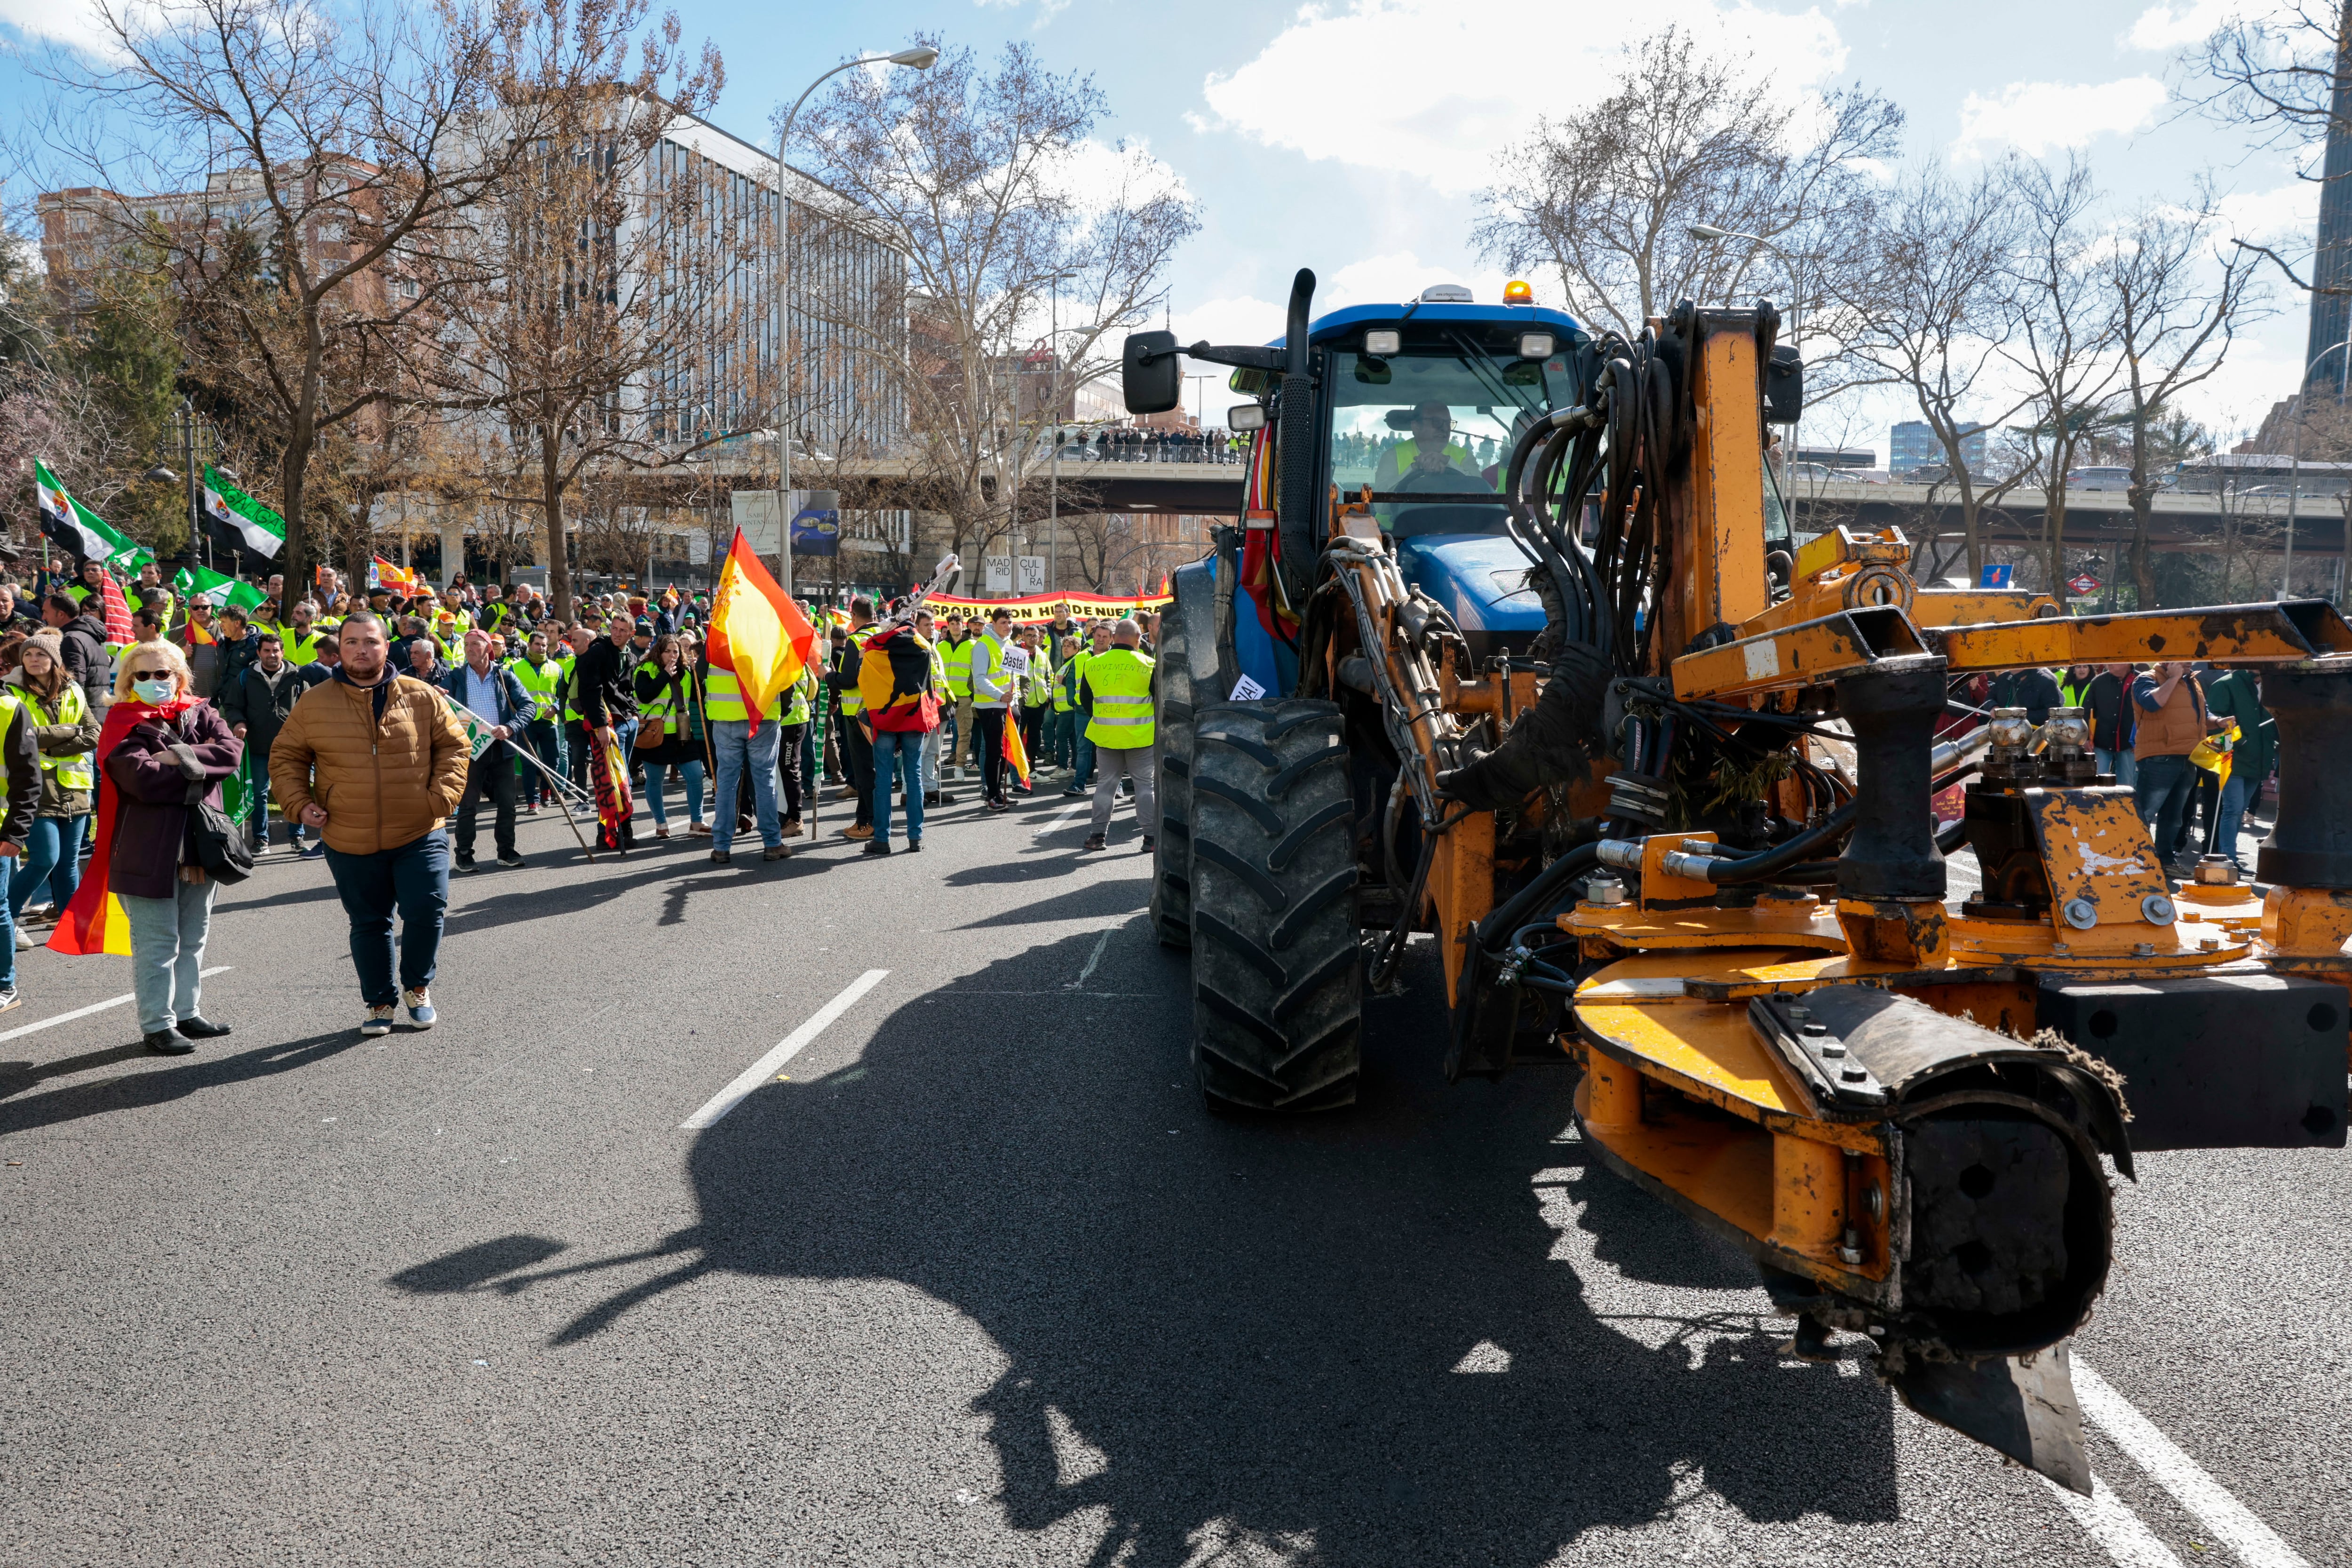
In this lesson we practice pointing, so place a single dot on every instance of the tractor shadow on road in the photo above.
(1352, 1338)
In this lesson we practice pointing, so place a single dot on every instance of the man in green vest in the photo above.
(298, 638)
(542, 676)
(1115, 694)
(736, 748)
(1098, 637)
(927, 628)
(955, 652)
(992, 696)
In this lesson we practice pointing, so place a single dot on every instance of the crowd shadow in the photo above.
(135, 1091)
(1354, 1331)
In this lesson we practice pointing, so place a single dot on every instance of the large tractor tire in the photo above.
(1172, 861)
(1277, 981)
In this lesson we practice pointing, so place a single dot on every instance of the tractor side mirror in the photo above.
(1150, 377)
(1245, 417)
(1784, 386)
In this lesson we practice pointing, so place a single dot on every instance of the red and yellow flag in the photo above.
(93, 921)
(1016, 753)
(756, 631)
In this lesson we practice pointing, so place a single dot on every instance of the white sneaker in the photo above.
(26, 940)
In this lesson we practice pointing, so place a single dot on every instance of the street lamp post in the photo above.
(1795, 340)
(922, 57)
(1054, 464)
(2295, 463)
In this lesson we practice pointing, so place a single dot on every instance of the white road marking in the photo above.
(760, 1071)
(2231, 1523)
(1092, 959)
(1061, 819)
(2109, 1520)
(96, 1007)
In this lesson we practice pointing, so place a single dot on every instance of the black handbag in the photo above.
(214, 841)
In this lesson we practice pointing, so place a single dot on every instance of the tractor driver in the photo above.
(1429, 449)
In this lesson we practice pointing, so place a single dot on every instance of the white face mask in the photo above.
(157, 691)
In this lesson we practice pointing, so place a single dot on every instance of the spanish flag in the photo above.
(1016, 753)
(756, 631)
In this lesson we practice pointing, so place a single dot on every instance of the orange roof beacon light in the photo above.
(1517, 292)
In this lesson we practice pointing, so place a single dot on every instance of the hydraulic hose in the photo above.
(1494, 932)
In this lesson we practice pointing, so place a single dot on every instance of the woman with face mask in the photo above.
(163, 749)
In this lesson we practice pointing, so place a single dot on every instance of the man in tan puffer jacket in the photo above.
(374, 761)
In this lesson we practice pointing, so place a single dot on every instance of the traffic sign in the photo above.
(2083, 584)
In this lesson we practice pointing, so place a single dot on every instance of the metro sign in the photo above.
(2083, 584)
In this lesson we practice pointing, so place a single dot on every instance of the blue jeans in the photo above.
(1085, 765)
(734, 747)
(414, 880)
(897, 753)
(2121, 764)
(260, 815)
(2228, 816)
(52, 857)
(691, 771)
(2163, 790)
(167, 952)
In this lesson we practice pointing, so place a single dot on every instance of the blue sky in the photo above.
(1352, 135)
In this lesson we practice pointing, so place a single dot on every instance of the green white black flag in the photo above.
(81, 532)
(236, 518)
(197, 582)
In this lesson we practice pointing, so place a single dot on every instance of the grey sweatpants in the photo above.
(1135, 762)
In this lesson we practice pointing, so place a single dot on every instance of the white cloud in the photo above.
(2290, 212)
(2036, 116)
(1095, 174)
(2169, 26)
(76, 25)
(1431, 88)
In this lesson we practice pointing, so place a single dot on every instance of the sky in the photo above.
(1352, 136)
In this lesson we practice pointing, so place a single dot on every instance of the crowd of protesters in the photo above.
(2193, 742)
(139, 730)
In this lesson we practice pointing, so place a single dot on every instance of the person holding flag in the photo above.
(760, 644)
(144, 893)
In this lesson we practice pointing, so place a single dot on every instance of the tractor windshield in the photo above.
(1437, 424)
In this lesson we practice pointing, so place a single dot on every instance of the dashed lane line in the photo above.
(2109, 1520)
(96, 1007)
(1061, 819)
(2232, 1522)
(760, 1071)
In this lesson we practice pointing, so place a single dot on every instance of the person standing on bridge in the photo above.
(374, 761)
(1115, 695)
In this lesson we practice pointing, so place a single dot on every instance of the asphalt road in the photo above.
(972, 1277)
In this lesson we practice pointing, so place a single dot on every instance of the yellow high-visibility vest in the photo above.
(1121, 683)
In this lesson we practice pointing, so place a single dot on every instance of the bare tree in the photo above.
(1006, 212)
(2178, 305)
(603, 262)
(1604, 199)
(318, 151)
(1926, 315)
(2060, 333)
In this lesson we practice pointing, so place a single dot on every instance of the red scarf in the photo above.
(84, 928)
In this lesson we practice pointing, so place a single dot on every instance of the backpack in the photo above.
(893, 679)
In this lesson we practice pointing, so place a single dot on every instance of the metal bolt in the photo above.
(2060, 949)
(1854, 1073)
(1874, 1202)
(1603, 890)
(2143, 949)
(1832, 1050)
(1852, 1254)
(1814, 1026)
(2209, 944)
(2158, 911)
(2081, 914)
